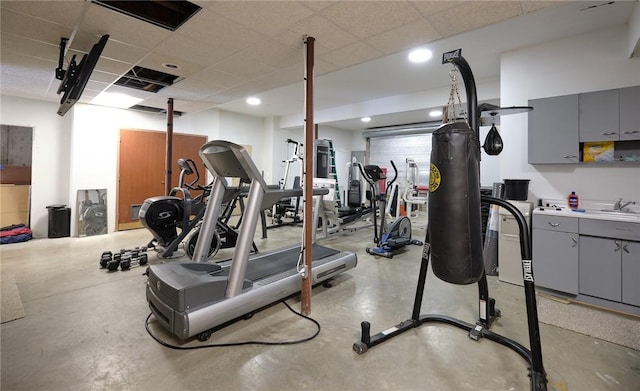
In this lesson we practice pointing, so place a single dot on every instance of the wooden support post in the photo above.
(308, 175)
(169, 145)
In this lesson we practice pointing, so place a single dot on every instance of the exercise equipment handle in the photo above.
(395, 170)
(188, 167)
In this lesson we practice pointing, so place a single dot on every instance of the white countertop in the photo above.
(589, 214)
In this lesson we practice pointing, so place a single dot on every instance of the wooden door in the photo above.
(141, 169)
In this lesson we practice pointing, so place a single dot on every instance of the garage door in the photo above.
(400, 148)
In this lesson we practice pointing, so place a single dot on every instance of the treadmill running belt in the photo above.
(282, 261)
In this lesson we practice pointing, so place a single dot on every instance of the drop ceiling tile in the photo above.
(104, 77)
(181, 94)
(407, 36)
(218, 36)
(473, 15)
(217, 77)
(322, 67)
(267, 17)
(323, 30)
(276, 54)
(534, 5)
(354, 54)
(65, 13)
(182, 47)
(84, 41)
(113, 67)
(203, 87)
(100, 20)
(32, 28)
(295, 40)
(219, 97)
(30, 75)
(158, 101)
(123, 52)
(185, 68)
(281, 77)
(367, 18)
(430, 8)
(29, 47)
(191, 106)
(244, 65)
(317, 5)
(115, 89)
(104, 64)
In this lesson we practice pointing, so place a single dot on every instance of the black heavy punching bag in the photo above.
(455, 226)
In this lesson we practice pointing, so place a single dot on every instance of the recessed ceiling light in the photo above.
(435, 113)
(365, 119)
(170, 66)
(420, 55)
(253, 101)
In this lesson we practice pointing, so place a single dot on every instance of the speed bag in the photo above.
(455, 222)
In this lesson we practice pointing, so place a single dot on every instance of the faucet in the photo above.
(620, 206)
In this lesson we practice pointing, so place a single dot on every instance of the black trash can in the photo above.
(516, 189)
(59, 221)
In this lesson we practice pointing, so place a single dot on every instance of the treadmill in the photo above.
(191, 298)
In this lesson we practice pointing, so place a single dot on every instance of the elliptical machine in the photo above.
(398, 233)
(163, 215)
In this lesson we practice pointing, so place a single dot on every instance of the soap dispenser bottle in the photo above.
(572, 200)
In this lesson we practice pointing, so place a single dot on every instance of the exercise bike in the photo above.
(163, 215)
(398, 233)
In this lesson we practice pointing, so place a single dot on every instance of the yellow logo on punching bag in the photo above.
(434, 178)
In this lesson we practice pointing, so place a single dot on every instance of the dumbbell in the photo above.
(128, 261)
(112, 265)
(105, 258)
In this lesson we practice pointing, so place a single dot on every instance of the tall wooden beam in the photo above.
(308, 175)
(169, 145)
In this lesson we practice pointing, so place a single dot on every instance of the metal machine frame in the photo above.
(487, 311)
(192, 298)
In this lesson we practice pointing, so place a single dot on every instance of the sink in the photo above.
(618, 211)
(612, 215)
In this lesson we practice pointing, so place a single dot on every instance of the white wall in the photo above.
(590, 62)
(245, 130)
(80, 150)
(95, 137)
(51, 154)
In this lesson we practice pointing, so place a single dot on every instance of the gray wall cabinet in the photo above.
(559, 126)
(598, 119)
(630, 113)
(556, 253)
(553, 130)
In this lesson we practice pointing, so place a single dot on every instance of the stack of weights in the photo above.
(124, 259)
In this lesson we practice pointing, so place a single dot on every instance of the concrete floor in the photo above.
(84, 330)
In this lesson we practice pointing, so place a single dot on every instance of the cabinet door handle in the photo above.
(575, 242)
(553, 224)
(625, 248)
(631, 131)
(569, 156)
(618, 246)
(609, 133)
